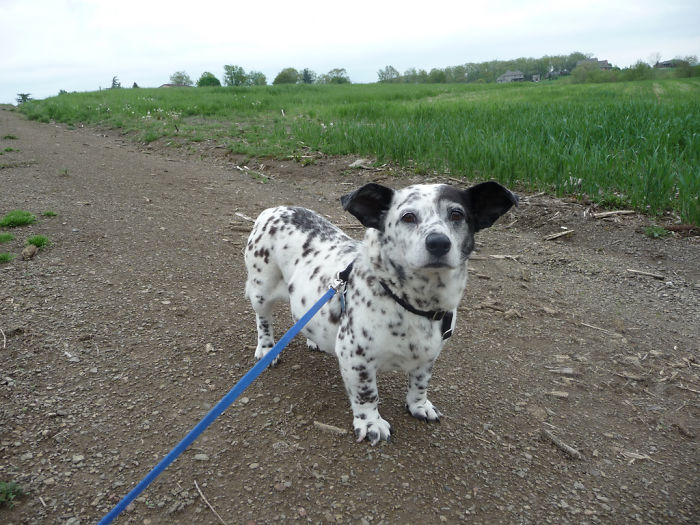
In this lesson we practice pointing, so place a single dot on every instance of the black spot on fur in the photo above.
(306, 247)
(264, 253)
(367, 395)
(410, 199)
(400, 271)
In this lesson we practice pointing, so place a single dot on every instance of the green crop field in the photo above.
(631, 144)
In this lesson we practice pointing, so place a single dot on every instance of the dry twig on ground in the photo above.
(208, 504)
(571, 451)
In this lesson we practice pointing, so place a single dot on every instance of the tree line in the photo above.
(235, 75)
(579, 65)
(485, 72)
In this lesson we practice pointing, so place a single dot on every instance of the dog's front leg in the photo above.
(417, 402)
(360, 380)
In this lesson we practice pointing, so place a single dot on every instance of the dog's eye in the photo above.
(456, 215)
(409, 218)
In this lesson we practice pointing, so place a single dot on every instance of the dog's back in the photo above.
(292, 255)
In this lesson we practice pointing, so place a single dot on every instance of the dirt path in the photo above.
(121, 335)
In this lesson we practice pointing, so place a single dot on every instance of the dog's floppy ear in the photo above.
(487, 202)
(368, 203)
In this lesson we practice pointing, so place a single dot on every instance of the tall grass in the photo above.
(635, 143)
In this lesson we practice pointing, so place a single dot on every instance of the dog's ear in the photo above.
(487, 202)
(368, 203)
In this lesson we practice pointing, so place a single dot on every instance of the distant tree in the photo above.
(207, 80)
(234, 76)
(256, 78)
(288, 75)
(437, 76)
(335, 76)
(571, 60)
(686, 66)
(410, 75)
(135, 86)
(308, 76)
(180, 78)
(388, 74)
(62, 92)
(23, 97)
(115, 83)
(587, 71)
(456, 74)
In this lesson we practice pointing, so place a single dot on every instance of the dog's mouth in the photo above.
(438, 265)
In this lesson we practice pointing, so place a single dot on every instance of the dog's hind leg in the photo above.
(264, 289)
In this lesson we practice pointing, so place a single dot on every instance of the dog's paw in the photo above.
(425, 411)
(260, 352)
(312, 346)
(372, 429)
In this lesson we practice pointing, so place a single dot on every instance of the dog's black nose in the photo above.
(437, 244)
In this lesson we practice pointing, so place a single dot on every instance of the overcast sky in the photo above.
(79, 45)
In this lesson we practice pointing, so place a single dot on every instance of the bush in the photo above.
(640, 71)
(287, 76)
(208, 80)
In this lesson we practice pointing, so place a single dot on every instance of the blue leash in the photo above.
(225, 402)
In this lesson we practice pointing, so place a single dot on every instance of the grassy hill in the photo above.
(624, 144)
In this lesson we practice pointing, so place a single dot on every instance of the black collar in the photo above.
(433, 315)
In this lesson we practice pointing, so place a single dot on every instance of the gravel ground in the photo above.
(120, 336)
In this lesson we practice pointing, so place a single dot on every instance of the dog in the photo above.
(404, 281)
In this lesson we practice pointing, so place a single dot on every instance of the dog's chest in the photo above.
(379, 329)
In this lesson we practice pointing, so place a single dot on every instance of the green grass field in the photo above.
(631, 144)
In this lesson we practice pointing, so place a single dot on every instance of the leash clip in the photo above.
(338, 284)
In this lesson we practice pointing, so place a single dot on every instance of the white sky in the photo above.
(79, 45)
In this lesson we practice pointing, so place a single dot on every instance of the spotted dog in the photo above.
(404, 283)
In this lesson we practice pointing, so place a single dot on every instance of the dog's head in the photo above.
(429, 225)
